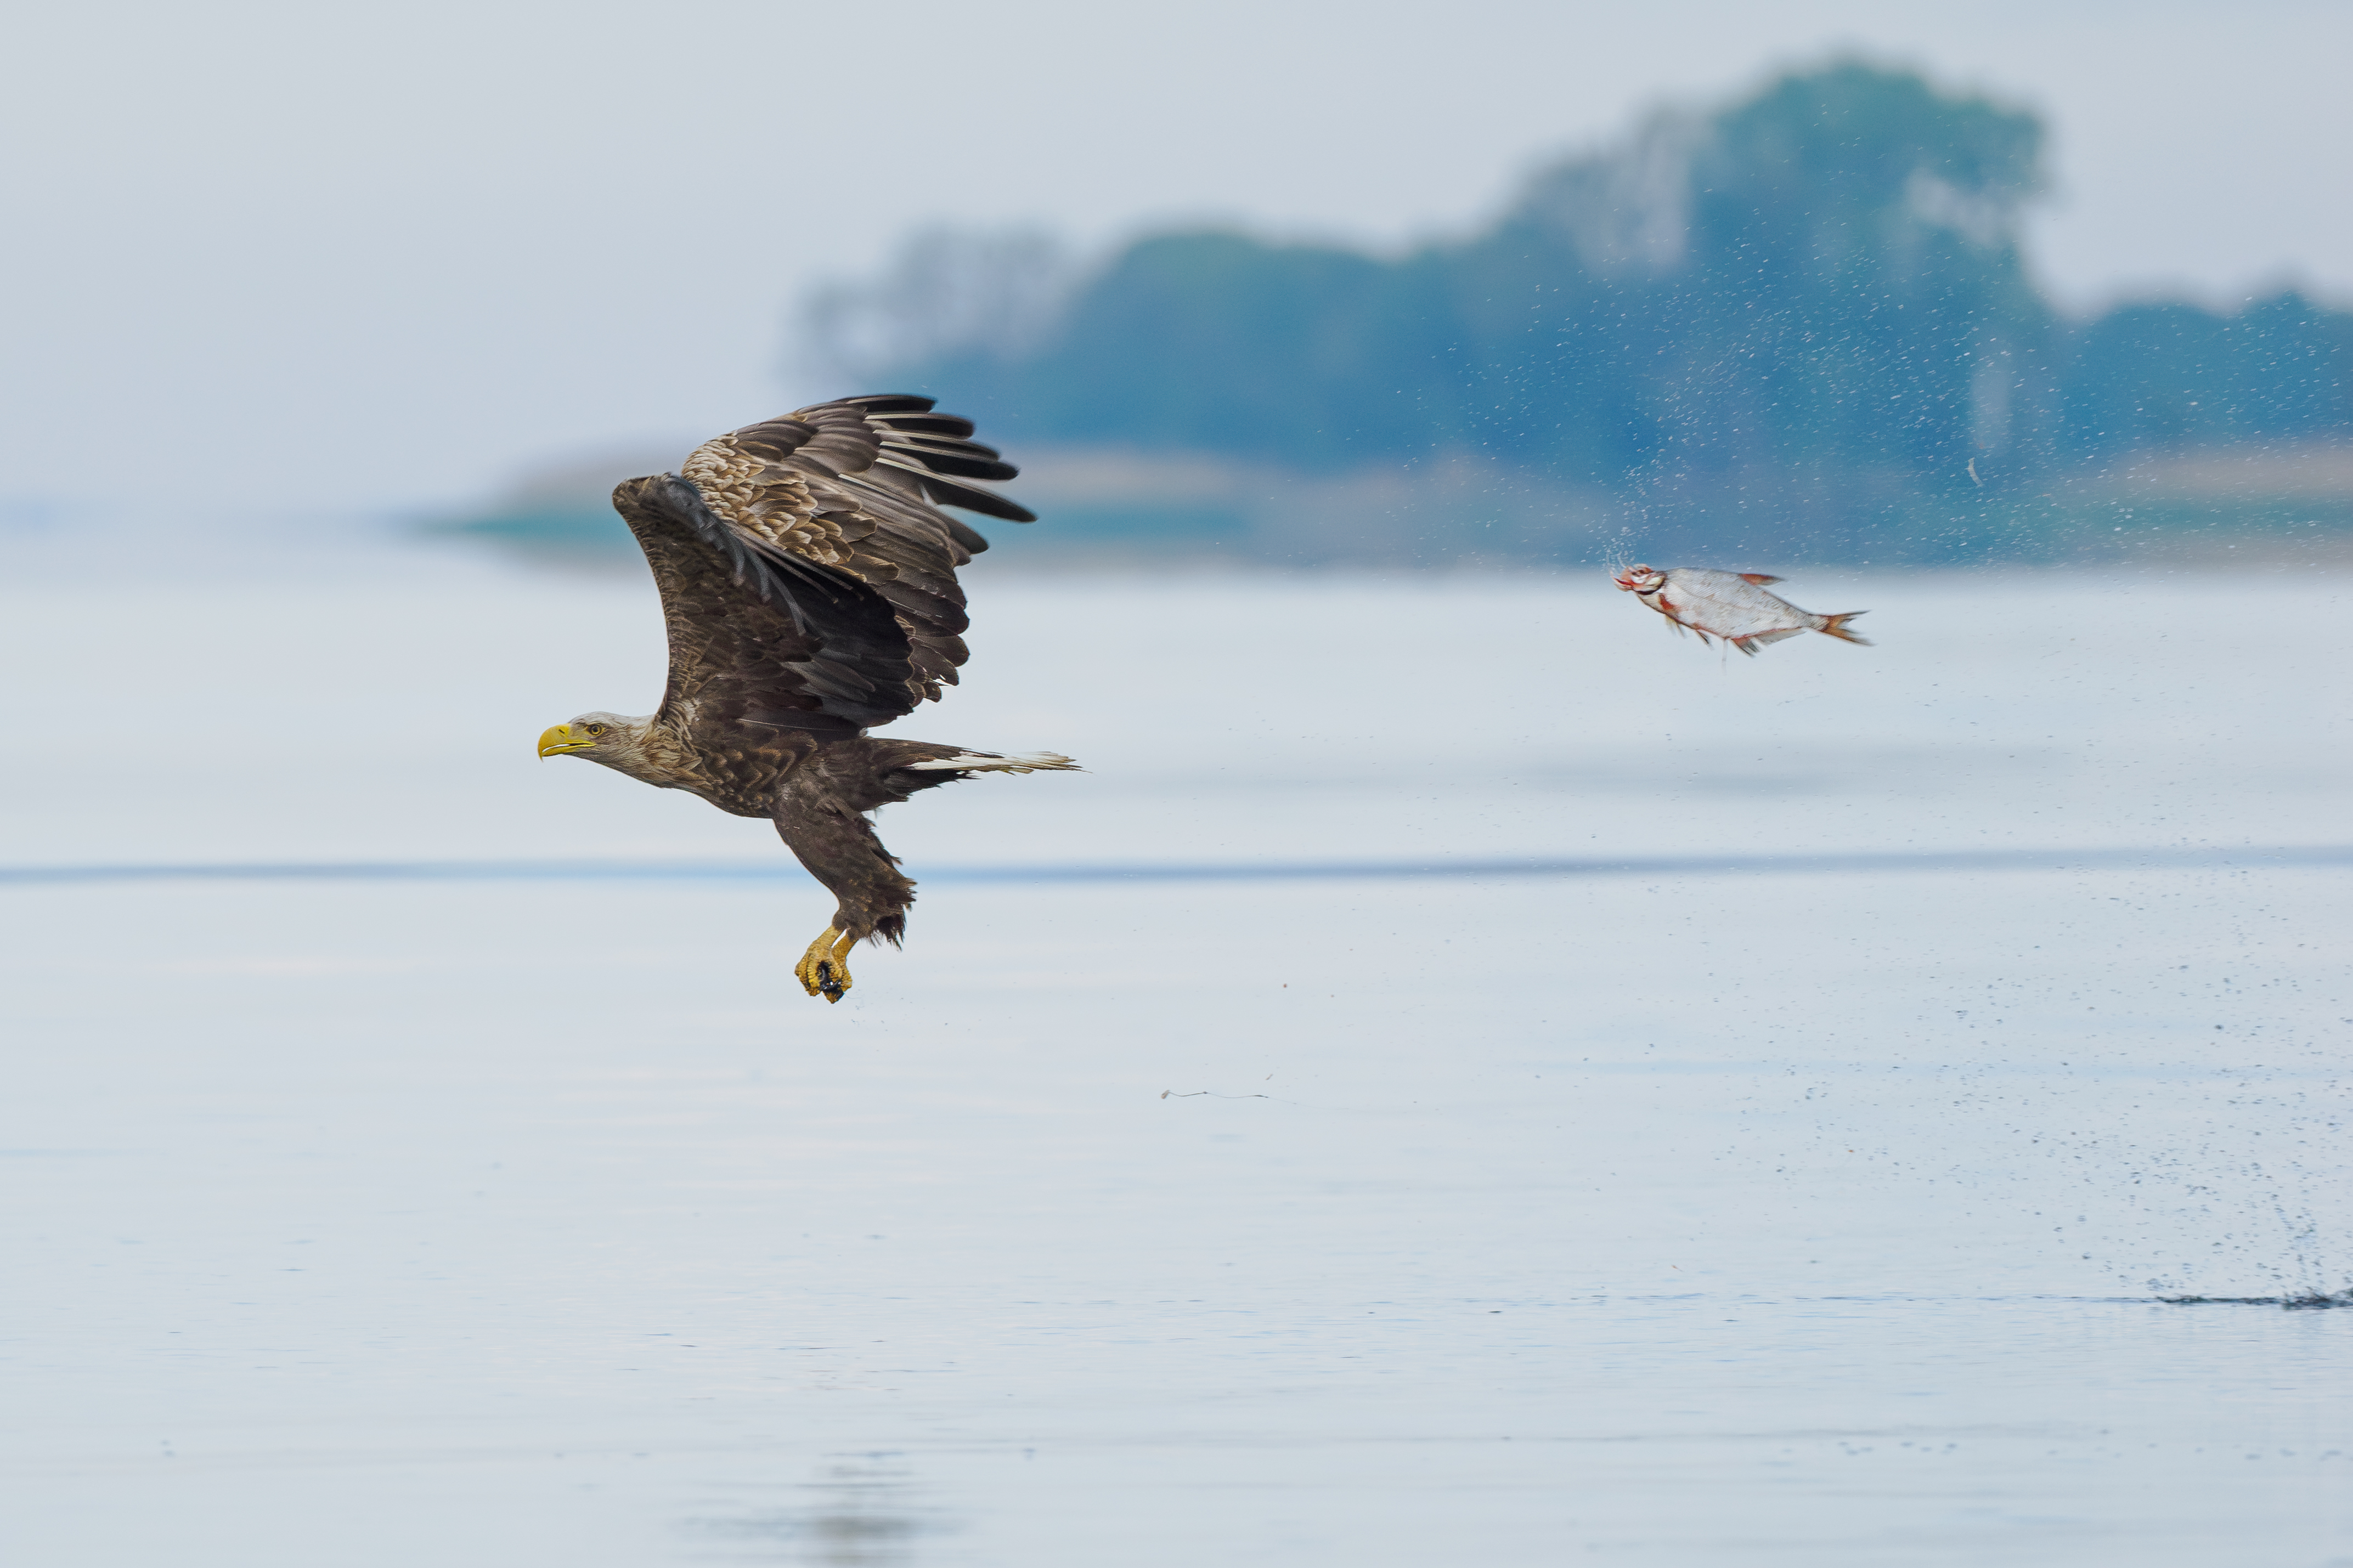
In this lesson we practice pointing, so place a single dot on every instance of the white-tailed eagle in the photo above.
(808, 577)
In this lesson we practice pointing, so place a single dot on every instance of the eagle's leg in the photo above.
(824, 969)
(820, 812)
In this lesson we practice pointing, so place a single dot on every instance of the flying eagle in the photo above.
(808, 579)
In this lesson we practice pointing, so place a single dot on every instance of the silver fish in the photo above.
(1733, 605)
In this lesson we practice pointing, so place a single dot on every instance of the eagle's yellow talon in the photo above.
(824, 969)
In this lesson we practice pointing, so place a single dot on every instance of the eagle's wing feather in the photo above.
(758, 636)
(806, 572)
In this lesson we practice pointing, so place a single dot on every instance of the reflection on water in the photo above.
(862, 1512)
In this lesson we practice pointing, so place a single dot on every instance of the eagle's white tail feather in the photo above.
(981, 762)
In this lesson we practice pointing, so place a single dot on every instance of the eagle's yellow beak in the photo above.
(556, 741)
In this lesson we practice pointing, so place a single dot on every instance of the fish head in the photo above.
(1640, 579)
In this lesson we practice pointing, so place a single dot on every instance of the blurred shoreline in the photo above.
(1113, 508)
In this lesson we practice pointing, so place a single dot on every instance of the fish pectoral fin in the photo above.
(1759, 578)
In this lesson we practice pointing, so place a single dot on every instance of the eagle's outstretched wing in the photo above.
(808, 574)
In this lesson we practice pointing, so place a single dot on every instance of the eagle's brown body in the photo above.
(808, 579)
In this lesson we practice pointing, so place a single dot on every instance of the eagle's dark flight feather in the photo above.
(829, 516)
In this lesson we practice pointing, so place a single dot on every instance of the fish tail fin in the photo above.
(1835, 625)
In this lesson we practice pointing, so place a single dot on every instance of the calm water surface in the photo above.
(1804, 1216)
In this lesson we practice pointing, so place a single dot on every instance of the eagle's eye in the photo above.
(596, 729)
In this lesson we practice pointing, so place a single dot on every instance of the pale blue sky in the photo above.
(385, 257)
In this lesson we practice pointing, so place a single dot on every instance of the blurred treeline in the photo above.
(1804, 322)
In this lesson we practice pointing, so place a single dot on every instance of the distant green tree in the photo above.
(1861, 288)
(2172, 374)
(1211, 340)
(1823, 281)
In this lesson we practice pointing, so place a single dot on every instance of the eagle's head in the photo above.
(1638, 579)
(607, 738)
